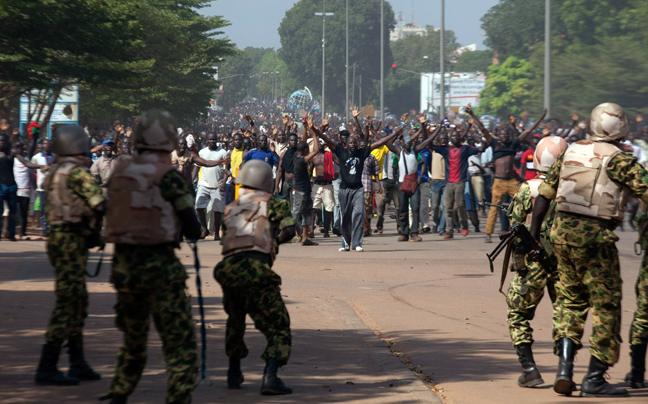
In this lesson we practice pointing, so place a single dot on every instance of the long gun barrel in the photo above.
(500, 207)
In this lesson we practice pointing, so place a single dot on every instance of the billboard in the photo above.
(65, 111)
(461, 89)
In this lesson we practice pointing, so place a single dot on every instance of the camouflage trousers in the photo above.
(68, 254)
(639, 326)
(524, 294)
(368, 201)
(268, 311)
(148, 285)
(590, 279)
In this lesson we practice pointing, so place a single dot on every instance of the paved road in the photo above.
(400, 322)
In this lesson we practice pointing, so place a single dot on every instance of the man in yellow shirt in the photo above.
(236, 160)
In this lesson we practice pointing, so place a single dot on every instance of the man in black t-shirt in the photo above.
(286, 170)
(351, 193)
(302, 201)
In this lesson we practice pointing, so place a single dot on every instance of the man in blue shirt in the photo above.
(424, 188)
(262, 152)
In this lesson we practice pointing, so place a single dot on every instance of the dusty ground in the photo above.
(368, 327)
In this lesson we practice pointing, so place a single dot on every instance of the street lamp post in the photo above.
(346, 87)
(547, 66)
(442, 59)
(382, 59)
(323, 14)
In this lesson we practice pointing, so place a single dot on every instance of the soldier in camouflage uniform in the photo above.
(639, 326)
(527, 286)
(150, 205)
(253, 227)
(74, 205)
(590, 182)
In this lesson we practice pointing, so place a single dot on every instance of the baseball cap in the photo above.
(107, 141)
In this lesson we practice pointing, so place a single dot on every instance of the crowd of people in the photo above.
(257, 168)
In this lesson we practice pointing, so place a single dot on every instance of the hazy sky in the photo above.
(255, 22)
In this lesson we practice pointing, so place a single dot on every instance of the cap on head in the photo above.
(156, 130)
(256, 174)
(107, 141)
(608, 121)
(70, 140)
(546, 152)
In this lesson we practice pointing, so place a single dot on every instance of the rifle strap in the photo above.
(505, 265)
(638, 245)
(203, 333)
(98, 270)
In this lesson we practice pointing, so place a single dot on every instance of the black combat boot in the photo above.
(637, 367)
(530, 376)
(47, 373)
(79, 368)
(594, 383)
(566, 352)
(272, 384)
(115, 398)
(234, 374)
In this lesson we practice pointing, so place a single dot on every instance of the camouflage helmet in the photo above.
(546, 152)
(70, 140)
(608, 122)
(255, 174)
(156, 130)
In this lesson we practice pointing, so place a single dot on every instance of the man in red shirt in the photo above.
(527, 172)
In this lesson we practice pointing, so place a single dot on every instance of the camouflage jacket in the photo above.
(80, 181)
(239, 270)
(136, 266)
(521, 207)
(581, 231)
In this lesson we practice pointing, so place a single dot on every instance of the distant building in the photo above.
(404, 30)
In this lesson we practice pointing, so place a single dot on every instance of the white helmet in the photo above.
(546, 152)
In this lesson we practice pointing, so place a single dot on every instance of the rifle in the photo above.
(526, 245)
(500, 207)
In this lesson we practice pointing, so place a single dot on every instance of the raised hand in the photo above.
(249, 119)
(285, 120)
(574, 116)
(469, 110)
(355, 112)
(325, 123)
(405, 117)
(309, 122)
(421, 118)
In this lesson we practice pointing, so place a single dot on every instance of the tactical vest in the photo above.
(248, 228)
(63, 204)
(584, 187)
(137, 212)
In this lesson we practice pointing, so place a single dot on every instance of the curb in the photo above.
(389, 363)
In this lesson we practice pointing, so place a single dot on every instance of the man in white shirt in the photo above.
(211, 187)
(44, 158)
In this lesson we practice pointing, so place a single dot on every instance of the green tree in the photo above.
(49, 44)
(301, 40)
(513, 27)
(508, 87)
(234, 75)
(474, 61)
(184, 48)
(403, 88)
(273, 73)
(619, 75)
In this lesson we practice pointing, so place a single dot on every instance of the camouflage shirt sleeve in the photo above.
(626, 170)
(84, 184)
(279, 213)
(174, 189)
(521, 205)
(549, 187)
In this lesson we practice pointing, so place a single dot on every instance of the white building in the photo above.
(404, 30)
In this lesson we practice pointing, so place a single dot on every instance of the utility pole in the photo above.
(442, 59)
(547, 66)
(346, 87)
(382, 59)
(323, 14)
(353, 89)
